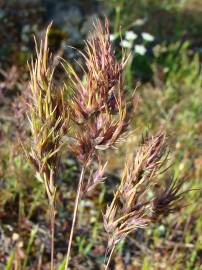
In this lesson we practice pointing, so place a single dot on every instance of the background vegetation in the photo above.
(165, 41)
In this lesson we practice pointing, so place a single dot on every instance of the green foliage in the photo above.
(29, 245)
(62, 265)
(146, 265)
(9, 265)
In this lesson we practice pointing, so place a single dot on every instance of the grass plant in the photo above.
(94, 119)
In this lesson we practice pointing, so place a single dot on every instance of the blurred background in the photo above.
(164, 39)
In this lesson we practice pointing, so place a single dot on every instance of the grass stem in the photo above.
(110, 257)
(74, 216)
(52, 220)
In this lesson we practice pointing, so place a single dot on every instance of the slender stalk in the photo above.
(74, 216)
(110, 257)
(52, 221)
(40, 257)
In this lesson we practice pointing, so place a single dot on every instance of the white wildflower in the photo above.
(126, 44)
(140, 49)
(147, 37)
(140, 22)
(130, 35)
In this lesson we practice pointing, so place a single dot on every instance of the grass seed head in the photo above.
(131, 208)
(98, 106)
(48, 116)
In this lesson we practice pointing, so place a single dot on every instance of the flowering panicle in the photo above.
(48, 117)
(98, 108)
(103, 77)
(131, 208)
